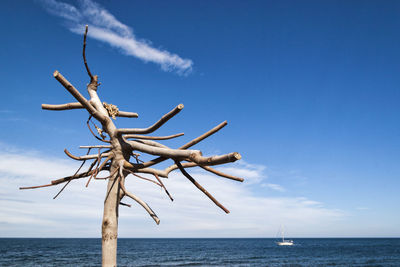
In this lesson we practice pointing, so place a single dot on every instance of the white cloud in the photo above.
(104, 27)
(78, 210)
(276, 187)
(252, 172)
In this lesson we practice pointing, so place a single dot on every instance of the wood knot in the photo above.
(108, 237)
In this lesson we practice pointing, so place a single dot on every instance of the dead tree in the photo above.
(119, 156)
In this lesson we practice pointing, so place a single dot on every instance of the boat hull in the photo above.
(285, 243)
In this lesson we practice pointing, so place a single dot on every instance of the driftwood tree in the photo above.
(122, 146)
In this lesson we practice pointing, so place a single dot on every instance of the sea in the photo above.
(203, 252)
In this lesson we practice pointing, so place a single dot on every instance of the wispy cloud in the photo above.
(104, 27)
(253, 173)
(79, 209)
(276, 187)
(8, 115)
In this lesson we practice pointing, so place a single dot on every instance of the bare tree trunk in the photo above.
(110, 224)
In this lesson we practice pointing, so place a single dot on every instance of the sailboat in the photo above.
(284, 242)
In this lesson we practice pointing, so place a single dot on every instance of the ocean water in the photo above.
(203, 252)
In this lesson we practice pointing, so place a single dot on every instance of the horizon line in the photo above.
(359, 237)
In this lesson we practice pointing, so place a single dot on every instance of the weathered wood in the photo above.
(81, 99)
(144, 137)
(205, 135)
(119, 152)
(96, 146)
(155, 126)
(151, 143)
(109, 226)
(189, 144)
(219, 173)
(84, 53)
(166, 152)
(164, 173)
(215, 160)
(74, 105)
(144, 178)
(127, 114)
(141, 202)
(190, 178)
(85, 157)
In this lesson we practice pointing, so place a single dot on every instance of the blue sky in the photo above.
(310, 90)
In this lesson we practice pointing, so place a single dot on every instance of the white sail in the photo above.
(284, 242)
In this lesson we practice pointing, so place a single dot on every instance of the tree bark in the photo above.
(109, 231)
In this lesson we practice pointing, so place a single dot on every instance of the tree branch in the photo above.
(221, 173)
(191, 155)
(141, 202)
(72, 177)
(74, 105)
(215, 160)
(61, 180)
(187, 145)
(136, 136)
(34, 187)
(161, 173)
(81, 99)
(160, 183)
(163, 186)
(107, 177)
(155, 126)
(80, 167)
(205, 135)
(164, 173)
(164, 152)
(127, 114)
(98, 130)
(187, 175)
(144, 178)
(86, 157)
(84, 54)
(97, 167)
(151, 143)
(97, 146)
(124, 204)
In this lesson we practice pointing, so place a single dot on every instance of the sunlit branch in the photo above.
(165, 152)
(155, 126)
(189, 144)
(61, 180)
(86, 157)
(144, 137)
(144, 178)
(81, 99)
(67, 106)
(97, 146)
(151, 143)
(187, 175)
(204, 136)
(219, 173)
(80, 167)
(141, 202)
(127, 114)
